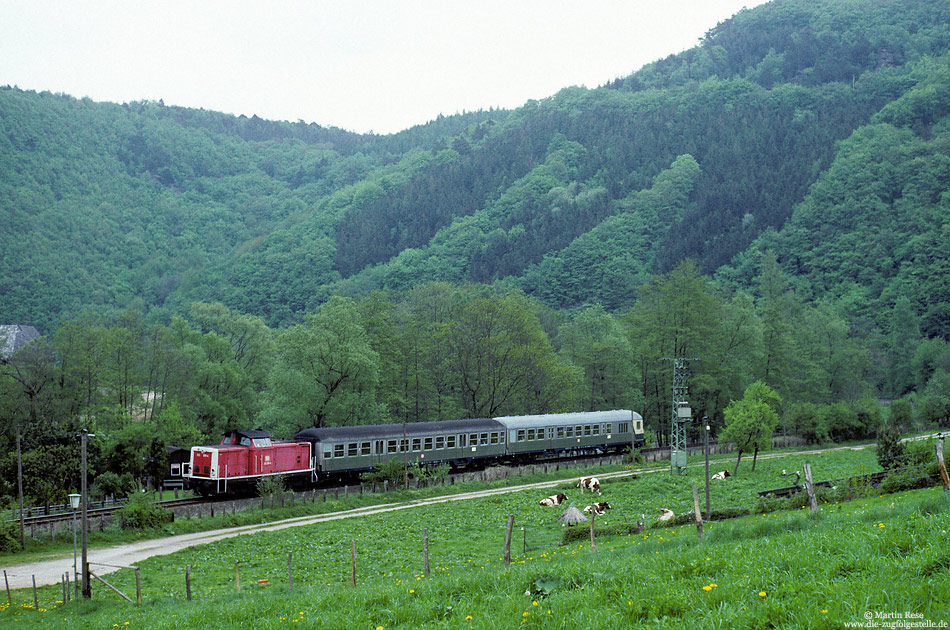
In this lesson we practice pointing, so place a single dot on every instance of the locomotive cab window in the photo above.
(261, 442)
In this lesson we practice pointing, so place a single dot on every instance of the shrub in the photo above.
(271, 486)
(9, 536)
(112, 484)
(141, 513)
(392, 471)
(890, 450)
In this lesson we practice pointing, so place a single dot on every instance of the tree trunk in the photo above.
(735, 470)
(755, 455)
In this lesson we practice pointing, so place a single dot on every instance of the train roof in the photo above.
(396, 430)
(248, 433)
(564, 419)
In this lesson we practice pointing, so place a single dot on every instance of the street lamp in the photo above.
(74, 503)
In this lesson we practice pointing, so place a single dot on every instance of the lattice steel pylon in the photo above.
(682, 415)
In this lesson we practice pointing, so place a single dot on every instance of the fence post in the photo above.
(699, 516)
(593, 543)
(942, 466)
(511, 522)
(237, 577)
(188, 582)
(425, 552)
(36, 602)
(290, 574)
(810, 488)
(353, 556)
(138, 586)
(7, 582)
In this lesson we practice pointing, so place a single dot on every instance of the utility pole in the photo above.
(706, 449)
(681, 416)
(19, 476)
(86, 586)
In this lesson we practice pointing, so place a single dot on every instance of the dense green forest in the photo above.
(774, 201)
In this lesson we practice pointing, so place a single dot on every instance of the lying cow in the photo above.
(722, 474)
(590, 483)
(597, 509)
(665, 515)
(554, 499)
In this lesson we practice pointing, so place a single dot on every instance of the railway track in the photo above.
(59, 515)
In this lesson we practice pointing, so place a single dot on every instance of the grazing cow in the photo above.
(597, 509)
(589, 483)
(722, 474)
(665, 515)
(554, 499)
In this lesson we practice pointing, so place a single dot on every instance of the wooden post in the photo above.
(188, 582)
(237, 577)
(36, 602)
(699, 516)
(942, 466)
(511, 522)
(68, 590)
(425, 552)
(810, 489)
(63, 582)
(290, 573)
(138, 585)
(593, 543)
(353, 557)
(7, 582)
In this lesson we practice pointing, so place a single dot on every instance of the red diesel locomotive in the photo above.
(243, 458)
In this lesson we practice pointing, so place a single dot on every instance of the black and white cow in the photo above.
(665, 515)
(554, 499)
(597, 509)
(722, 474)
(589, 483)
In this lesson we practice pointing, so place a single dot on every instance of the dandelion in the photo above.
(526, 614)
(412, 590)
(761, 593)
(824, 611)
(468, 617)
(707, 588)
(534, 603)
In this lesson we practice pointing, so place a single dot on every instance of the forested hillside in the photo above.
(775, 200)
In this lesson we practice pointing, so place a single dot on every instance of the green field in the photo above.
(877, 556)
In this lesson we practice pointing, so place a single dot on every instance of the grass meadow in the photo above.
(859, 561)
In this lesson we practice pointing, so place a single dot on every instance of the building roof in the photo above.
(13, 337)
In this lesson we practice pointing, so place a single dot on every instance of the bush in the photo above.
(141, 513)
(890, 450)
(9, 536)
(112, 484)
(271, 486)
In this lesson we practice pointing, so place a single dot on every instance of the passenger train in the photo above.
(316, 454)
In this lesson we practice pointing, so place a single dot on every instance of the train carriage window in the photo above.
(550, 433)
(427, 444)
(473, 439)
(494, 437)
(450, 441)
(440, 441)
(560, 432)
(578, 430)
(521, 435)
(530, 435)
(483, 439)
(624, 427)
(365, 448)
(328, 451)
(391, 446)
(416, 444)
(568, 431)
(351, 449)
(587, 429)
(403, 445)
(338, 450)
(610, 427)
